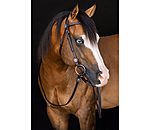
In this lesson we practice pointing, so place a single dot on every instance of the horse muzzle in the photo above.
(93, 78)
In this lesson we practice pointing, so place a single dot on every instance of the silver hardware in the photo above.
(65, 26)
(78, 79)
(80, 66)
(75, 60)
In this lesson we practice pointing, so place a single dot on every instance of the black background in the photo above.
(106, 19)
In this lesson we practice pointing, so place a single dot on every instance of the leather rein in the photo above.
(80, 75)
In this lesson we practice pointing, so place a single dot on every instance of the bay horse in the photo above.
(70, 45)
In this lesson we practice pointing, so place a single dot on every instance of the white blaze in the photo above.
(94, 48)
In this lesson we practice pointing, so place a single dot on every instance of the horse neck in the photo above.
(55, 69)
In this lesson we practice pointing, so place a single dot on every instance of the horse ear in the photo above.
(91, 11)
(74, 13)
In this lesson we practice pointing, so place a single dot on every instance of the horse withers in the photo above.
(59, 47)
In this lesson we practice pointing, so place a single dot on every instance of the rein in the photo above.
(80, 75)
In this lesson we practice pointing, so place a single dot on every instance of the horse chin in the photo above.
(91, 84)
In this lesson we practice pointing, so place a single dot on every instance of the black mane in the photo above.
(86, 22)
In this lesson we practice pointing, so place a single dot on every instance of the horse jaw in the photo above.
(94, 48)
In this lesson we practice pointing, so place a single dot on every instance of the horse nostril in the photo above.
(99, 72)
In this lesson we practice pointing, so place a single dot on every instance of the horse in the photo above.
(71, 46)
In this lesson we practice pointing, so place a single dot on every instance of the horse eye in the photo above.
(80, 41)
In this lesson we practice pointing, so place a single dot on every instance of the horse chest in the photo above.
(82, 98)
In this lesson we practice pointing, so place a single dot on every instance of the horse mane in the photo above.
(87, 23)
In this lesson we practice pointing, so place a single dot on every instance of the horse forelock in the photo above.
(86, 22)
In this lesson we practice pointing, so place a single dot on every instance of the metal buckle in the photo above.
(80, 66)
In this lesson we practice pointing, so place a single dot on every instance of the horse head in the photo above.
(84, 39)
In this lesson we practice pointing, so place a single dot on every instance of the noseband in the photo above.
(80, 75)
